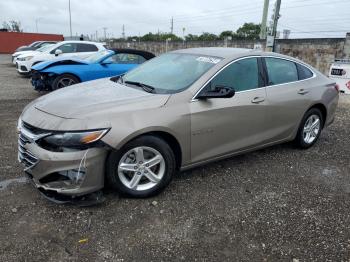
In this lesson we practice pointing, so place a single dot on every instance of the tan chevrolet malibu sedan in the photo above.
(177, 111)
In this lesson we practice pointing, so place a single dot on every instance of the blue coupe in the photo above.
(58, 73)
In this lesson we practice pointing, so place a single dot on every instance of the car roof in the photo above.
(80, 42)
(145, 54)
(223, 52)
(232, 53)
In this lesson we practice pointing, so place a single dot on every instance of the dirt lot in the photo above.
(279, 203)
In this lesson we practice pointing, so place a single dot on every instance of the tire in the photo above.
(302, 139)
(129, 174)
(67, 79)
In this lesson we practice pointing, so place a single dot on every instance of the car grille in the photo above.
(24, 156)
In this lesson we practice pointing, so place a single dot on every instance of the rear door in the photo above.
(224, 125)
(288, 96)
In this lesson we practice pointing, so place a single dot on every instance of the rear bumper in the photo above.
(331, 110)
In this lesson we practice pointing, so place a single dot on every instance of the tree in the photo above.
(12, 26)
(207, 37)
(226, 34)
(191, 37)
(248, 31)
(160, 37)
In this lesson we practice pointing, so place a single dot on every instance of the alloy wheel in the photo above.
(65, 82)
(141, 168)
(312, 129)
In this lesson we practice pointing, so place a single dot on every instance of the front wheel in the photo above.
(63, 81)
(142, 168)
(310, 128)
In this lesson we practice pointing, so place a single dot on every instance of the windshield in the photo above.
(97, 56)
(34, 44)
(171, 73)
(44, 48)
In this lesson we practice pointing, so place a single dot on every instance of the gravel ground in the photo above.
(278, 203)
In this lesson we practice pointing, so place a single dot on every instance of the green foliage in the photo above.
(207, 37)
(248, 31)
(160, 37)
(226, 34)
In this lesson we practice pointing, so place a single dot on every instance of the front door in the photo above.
(225, 125)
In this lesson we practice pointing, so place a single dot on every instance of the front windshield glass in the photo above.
(44, 48)
(171, 73)
(97, 56)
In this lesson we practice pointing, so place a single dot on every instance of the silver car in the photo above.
(177, 111)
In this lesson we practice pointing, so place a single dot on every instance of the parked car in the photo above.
(79, 49)
(340, 73)
(55, 74)
(35, 45)
(32, 52)
(177, 111)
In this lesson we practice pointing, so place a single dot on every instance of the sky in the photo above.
(305, 18)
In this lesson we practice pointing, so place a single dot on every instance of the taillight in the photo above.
(336, 87)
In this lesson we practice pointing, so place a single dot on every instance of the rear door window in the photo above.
(124, 58)
(281, 71)
(87, 48)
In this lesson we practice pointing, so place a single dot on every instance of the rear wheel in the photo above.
(142, 168)
(310, 128)
(64, 80)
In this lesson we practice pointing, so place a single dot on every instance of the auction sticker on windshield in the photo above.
(207, 59)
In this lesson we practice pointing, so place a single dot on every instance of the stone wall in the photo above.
(318, 52)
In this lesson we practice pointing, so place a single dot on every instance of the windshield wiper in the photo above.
(147, 88)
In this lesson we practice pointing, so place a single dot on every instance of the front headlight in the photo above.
(28, 58)
(75, 139)
(19, 125)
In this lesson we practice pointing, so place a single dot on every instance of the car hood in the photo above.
(29, 53)
(59, 61)
(25, 48)
(99, 98)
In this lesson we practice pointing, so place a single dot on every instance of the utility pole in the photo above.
(123, 34)
(172, 25)
(105, 30)
(70, 20)
(264, 20)
(96, 36)
(276, 16)
(183, 36)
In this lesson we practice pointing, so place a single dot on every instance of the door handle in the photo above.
(303, 92)
(258, 100)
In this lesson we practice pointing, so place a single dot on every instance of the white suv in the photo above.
(79, 49)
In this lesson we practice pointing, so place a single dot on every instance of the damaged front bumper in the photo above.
(62, 176)
(40, 82)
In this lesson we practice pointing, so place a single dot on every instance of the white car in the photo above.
(29, 52)
(78, 49)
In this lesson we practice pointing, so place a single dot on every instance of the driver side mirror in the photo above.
(58, 52)
(218, 92)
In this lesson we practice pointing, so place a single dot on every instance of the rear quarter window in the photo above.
(87, 48)
(304, 72)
